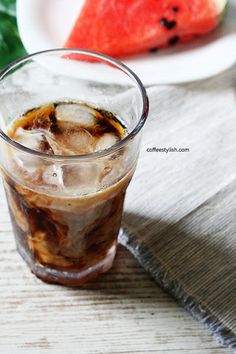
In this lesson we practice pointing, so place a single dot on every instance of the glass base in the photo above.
(53, 276)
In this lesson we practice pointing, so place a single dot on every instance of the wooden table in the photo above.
(123, 312)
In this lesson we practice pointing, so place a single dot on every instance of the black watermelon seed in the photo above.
(153, 50)
(163, 21)
(173, 40)
(175, 9)
(171, 24)
(168, 24)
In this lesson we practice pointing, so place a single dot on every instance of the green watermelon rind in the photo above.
(222, 6)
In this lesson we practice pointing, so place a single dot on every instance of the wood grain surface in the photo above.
(124, 311)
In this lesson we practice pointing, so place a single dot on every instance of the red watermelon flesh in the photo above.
(123, 27)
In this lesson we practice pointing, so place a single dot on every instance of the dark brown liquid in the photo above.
(66, 129)
(64, 233)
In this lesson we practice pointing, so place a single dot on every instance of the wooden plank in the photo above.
(122, 312)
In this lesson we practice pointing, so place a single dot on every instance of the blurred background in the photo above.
(11, 46)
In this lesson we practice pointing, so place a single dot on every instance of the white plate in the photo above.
(45, 24)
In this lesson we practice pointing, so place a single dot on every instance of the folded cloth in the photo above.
(180, 214)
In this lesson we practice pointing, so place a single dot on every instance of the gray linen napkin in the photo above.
(180, 214)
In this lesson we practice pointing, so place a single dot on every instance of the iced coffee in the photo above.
(68, 236)
(70, 133)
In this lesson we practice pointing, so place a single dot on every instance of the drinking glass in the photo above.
(66, 219)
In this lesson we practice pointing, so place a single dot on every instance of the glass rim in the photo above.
(97, 154)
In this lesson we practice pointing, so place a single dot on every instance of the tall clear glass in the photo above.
(66, 210)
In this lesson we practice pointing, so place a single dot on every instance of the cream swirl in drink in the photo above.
(66, 218)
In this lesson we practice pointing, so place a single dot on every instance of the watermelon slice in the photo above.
(123, 27)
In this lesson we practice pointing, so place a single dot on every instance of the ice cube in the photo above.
(29, 138)
(106, 141)
(56, 146)
(38, 140)
(53, 176)
(80, 141)
(71, 142)
(75, 113)
(27, 163)
(82, 179)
